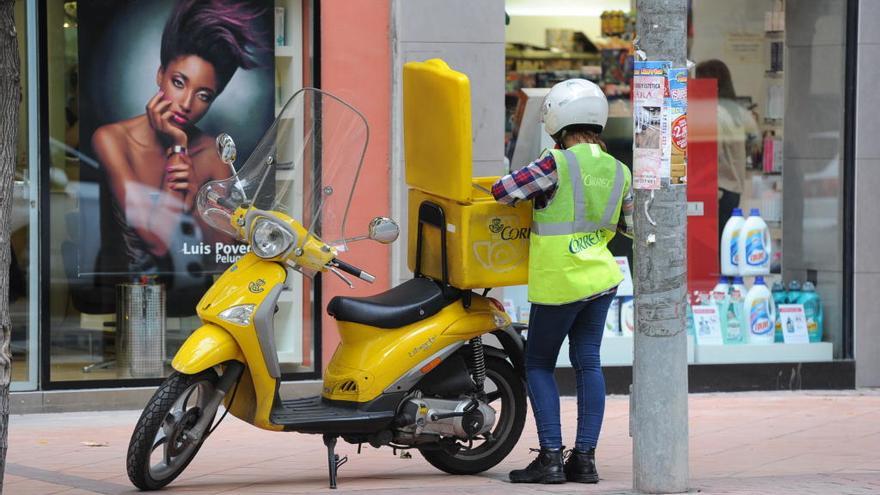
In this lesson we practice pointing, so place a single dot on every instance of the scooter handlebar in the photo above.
(353, 270)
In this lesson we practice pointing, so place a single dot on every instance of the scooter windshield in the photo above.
(305, 166)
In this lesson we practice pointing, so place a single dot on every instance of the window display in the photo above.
(769, 233)
(145, 89)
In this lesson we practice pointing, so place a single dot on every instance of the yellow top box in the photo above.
(438, 141)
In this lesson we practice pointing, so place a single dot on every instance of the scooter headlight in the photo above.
(239, 315)
(269, 239)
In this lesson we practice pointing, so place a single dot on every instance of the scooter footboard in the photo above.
(207, 347)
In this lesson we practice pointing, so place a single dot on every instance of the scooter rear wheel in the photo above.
(159, 449)
(506, 391)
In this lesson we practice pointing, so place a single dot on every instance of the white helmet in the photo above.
(574, 101)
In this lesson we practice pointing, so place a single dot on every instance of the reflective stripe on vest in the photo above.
(580, 223)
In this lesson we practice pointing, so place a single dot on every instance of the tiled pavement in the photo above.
(754, 443)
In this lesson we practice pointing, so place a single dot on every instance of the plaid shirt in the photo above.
(537, 181)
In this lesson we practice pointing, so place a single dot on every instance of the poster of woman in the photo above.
(158, 81)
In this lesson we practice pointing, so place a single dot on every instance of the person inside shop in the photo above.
(737, 130)
(582, 197)
(154, 163)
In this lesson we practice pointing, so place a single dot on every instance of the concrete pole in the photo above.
(659, 408)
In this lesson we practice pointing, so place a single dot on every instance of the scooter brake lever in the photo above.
(340, 275)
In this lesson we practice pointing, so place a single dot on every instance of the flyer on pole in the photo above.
(650, 123)
(675, 155)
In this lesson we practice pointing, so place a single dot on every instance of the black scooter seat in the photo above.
(407, 303)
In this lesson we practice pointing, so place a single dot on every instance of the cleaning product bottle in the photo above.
(692, 300)
(794, 292)
(737, 288)
(812, 311)
(761, 313)
(754, 246)
(721, 290)
(779, 297)
(721, 299)
(730, 253)
(735, 332)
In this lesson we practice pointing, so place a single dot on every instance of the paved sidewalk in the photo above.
(752, 443)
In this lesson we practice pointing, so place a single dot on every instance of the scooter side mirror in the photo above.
(384, 230)
(226, 150)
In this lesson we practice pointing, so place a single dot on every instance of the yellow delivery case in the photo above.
(486, 243)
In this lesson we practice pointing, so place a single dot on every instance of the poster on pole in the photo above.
(676, 152)
(650, 123)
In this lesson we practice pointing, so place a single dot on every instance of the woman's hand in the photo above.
(159, 114)
(179, 178)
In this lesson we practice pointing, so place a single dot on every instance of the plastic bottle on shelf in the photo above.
(693, 299)
(761, 313)
(735, 333)
(721, 289)
(721, 300)
(779, 297)
(754, 246)
(812, 311)
(738, 288)
(794, 292)
(730, 253)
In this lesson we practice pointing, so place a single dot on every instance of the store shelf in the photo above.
(618, 351)
(284, 51)
(764, 353)
(548, 55)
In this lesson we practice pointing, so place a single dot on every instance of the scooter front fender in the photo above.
(207, 347)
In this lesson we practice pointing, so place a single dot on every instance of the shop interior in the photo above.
(736, 144)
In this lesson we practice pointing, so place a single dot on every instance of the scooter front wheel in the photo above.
(162, 444)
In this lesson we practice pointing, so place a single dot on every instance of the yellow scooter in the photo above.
(411, 370)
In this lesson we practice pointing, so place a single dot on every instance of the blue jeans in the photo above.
(583, 322)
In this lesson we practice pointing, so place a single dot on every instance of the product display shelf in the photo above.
(618, 351)
(765, 353)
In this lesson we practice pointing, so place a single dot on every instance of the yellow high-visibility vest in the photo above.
(569, 258)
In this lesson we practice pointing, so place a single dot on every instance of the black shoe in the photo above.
(580, 466)
(546, 468)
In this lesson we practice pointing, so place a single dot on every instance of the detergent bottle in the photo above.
(734, 331)
(794, 292)
(754, 246)
(721, 299)
(761, 313)
(812, 311)
(730, 253)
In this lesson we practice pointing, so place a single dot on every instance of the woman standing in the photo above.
(579, 192)
(736, 129)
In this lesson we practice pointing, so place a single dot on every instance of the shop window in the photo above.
(126, 82)
(765, 135)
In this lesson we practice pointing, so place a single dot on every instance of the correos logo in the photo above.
(584, 241)
(591, 181)
(507, 232)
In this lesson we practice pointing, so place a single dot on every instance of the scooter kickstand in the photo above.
(333, 460)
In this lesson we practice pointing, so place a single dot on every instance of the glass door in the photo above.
(24, 241)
